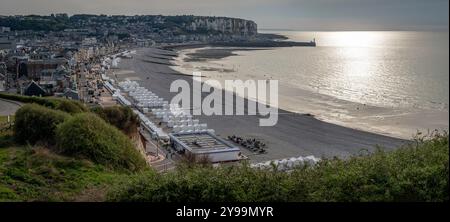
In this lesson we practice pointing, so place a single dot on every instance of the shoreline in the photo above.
(399, 122)
(264, 40)
(294, 135)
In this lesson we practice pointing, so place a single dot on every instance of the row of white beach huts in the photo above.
(177, 119)
(155, 130)
(180, 120)
(287, 164)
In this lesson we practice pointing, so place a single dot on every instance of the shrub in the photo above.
(205, 184)
(121, 117)
(415, 172)
(35, 123)
(44, 101)
(70, 106)
(86, 135)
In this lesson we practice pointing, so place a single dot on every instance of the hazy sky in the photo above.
(283, 14)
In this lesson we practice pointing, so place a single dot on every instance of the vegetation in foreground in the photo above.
(86, 158)
(417, 172)
(69, 106)
(87, 136)
(38, 174)
(121, 117)
(35, 123)
(41, 172)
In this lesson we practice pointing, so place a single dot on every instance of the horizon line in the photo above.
(443, 28)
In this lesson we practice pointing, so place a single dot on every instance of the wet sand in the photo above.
(294, 134)
(400, 122)
(215, 53)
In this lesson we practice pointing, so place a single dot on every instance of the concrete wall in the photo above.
(220, 156)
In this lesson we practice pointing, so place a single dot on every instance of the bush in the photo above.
(205, 184)
(35, 123)
(416, 172)
(44, 101)
(71, 106)
(86, 135)
(121, 117)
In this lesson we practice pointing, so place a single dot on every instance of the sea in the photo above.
(394, 83)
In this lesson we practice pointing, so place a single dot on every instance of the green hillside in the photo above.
(107, 169)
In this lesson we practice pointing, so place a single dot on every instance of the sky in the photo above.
(268, 14)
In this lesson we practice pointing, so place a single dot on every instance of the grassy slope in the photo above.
(419, 172)
(4, 119)
(414, 173)
(36, 174)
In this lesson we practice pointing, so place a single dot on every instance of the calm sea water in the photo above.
(401, 75)
(408, 69)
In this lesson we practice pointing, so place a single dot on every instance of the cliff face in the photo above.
(229, 26)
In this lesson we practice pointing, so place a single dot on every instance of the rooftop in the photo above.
(203, 142)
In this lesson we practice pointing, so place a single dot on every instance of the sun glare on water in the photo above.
(359, 66)
(357, 49)
(356, 39)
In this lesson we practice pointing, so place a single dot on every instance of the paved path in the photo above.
(166, 163)
(8, 107)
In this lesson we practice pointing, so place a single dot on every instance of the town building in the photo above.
(205, 145)
(7, 43)
(4, 29)
(33, 89)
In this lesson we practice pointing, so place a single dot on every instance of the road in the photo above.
(8, 107)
